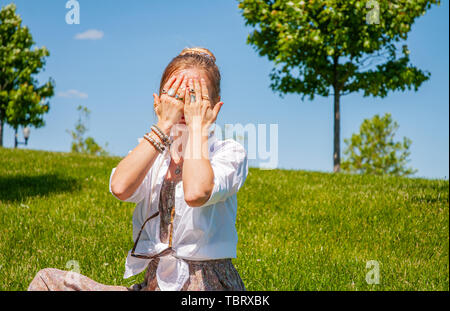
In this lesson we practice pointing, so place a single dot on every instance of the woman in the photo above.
(184, 182)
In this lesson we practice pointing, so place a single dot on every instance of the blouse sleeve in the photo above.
(230, 166)
(140, 192)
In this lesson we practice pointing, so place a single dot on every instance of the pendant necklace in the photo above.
(178, 170)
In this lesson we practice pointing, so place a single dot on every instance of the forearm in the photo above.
(198, 176)
(131, 171)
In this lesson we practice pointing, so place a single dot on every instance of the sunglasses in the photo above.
(164, 252)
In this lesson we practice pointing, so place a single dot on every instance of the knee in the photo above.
(41, 280)
(45, 273)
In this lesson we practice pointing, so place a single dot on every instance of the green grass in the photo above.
(297, 230)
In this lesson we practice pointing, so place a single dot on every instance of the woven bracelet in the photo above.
(160, 145)
(155, 144)
(160, 134)
(158, 140)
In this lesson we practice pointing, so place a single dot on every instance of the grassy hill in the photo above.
(297, 230)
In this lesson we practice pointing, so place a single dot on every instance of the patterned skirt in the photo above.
(211, 275)
(208, 275)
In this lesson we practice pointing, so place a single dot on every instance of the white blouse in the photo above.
(199, 233)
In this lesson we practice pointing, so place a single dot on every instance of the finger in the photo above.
(177, 83)
(156, 102)
(204, 87)
(156, 99)
(168, 84)
(192, 95)
(187, 94)
(181, 90)
(217, 108)
(198, 90)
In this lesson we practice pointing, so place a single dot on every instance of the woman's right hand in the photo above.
(169, 109)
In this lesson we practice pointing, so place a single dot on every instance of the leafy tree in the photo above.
(374, 151)
(81, 144)
(22, 101)
(336, 47)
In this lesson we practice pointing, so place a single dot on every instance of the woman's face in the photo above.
(192, 73)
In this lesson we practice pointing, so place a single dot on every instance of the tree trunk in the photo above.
(337, 132)
(1, 129)
(15, 138)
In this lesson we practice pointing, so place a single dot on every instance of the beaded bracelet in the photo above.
(156, 137)
(155, 144)
(164, 138)
(158, 146)
(157, 140)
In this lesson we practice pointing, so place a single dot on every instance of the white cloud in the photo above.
(73, 94)
(91, 34)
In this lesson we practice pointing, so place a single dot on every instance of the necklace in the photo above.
(178, 170)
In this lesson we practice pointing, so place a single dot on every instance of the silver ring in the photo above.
(192, 98)
(171, 92)
(163, 91)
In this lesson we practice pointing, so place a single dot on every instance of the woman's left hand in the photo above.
(198, 109)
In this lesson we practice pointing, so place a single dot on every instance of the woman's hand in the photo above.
(199, 114)
(198, 109)
(168, 108)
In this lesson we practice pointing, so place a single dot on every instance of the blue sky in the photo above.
(115, 76)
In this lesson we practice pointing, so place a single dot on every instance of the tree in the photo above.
(22, 101)
(336, 47)
(374, 151)
(79, 143)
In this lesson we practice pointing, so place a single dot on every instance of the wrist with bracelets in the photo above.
(161, 142)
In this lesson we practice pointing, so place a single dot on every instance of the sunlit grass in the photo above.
(297, 230)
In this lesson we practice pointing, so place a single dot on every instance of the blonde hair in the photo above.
(199, 58)
(200, 51)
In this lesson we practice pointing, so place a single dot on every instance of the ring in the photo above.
(192, 98)
(192, 90)
(163, 91)
(205, 97)
(171, 92)
(179, 97)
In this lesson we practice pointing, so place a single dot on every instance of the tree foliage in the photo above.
(84, 145)
(374, 151)
(321, 43)
(336, 47)
(22, 101)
